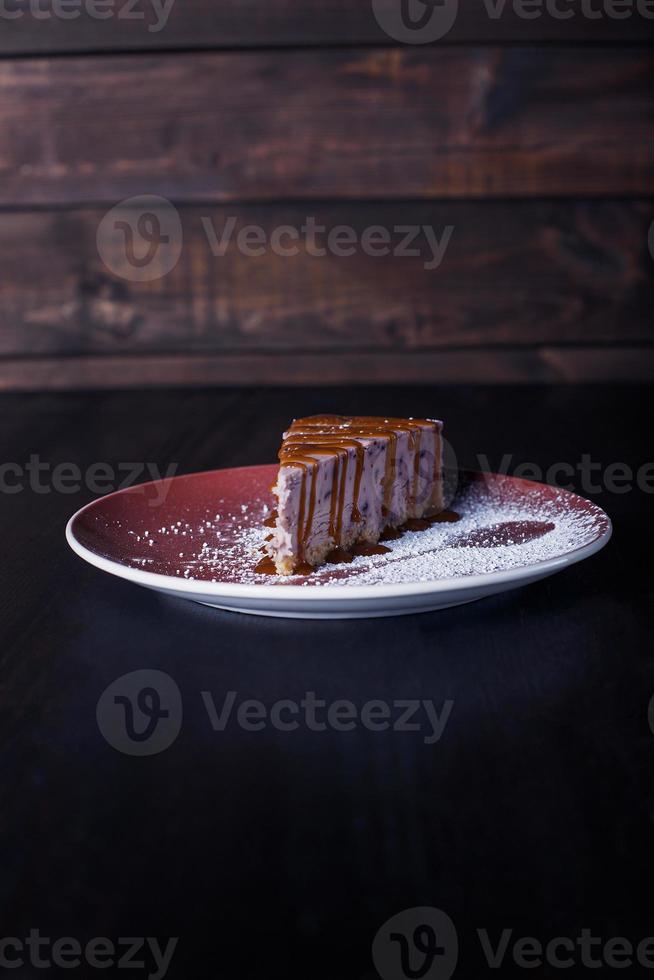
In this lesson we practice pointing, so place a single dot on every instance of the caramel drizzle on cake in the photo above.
(343, 440)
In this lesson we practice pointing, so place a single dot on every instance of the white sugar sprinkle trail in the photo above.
(494, 534)
(489, 537)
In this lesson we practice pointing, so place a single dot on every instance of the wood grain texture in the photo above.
(206, 24)
(480, 366)
(442, 122)
(513, 273)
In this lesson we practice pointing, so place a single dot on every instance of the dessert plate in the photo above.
(197, 537)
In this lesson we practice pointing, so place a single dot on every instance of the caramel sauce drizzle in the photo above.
(265, 567)
(322, 435)
(323, 443)
(339, 557)
(366, 426)
(390, 534)
(367, 550)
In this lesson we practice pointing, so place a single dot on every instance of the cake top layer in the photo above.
(338, 433)
(324, 435)
(360, 422)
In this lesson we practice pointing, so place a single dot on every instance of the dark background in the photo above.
(281, 855)
(273, 855)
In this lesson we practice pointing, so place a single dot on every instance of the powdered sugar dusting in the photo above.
(198, 535)
(491, 536)
(495, 533)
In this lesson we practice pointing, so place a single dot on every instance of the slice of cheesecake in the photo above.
(343, 481)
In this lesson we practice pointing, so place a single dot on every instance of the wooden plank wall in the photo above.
(524, 145)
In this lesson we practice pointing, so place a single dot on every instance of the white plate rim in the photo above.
(331, 593)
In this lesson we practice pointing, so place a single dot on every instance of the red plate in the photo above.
(198, 536)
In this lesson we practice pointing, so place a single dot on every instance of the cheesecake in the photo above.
(345, 482)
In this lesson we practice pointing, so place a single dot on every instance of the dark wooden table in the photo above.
(280, 854)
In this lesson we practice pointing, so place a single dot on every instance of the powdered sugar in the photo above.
(491, 536)
(504, 525)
